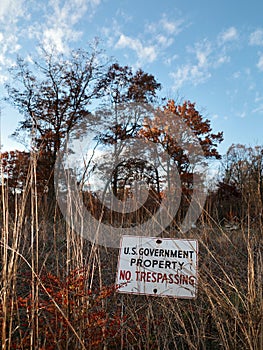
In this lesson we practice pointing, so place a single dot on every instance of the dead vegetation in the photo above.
(58, 290)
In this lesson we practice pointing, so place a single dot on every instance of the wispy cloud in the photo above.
(166, 26)
(230, 34)
(154, 40)
(165, 30)
(202, 51)
(170, 59)
(236, 75)
(204, 57)
(260, 63)
(189, 73)
(164, 41)
(256, 37)
(53, 24)
(11, 12)
(144, 53)
(60, 27)
(258, 97)
(258, 110)
(50, 24)
(172, 27)
(197, 72)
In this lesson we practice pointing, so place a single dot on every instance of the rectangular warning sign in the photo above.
(158, 266)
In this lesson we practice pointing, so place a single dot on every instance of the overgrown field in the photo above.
(58, 290)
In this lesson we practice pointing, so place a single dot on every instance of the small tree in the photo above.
(242, 170)
(15, 168)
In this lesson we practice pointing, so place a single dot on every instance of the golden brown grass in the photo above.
(57, 290)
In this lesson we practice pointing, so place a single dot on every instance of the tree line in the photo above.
(85, 94)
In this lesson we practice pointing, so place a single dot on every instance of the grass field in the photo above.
(57, 290)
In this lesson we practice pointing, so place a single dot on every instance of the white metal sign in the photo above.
(158, 266)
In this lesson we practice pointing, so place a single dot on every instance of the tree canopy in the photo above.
(83, 93)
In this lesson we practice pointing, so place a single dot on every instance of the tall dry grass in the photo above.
(57, 290)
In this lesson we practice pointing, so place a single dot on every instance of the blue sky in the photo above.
(207, 52)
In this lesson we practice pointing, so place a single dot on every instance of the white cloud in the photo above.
(10, 13)
(171, 27)
(169, 60)
(236, 75)
(206, 58)
(111, 34)
(143, 52)
(52, 24)
(258, 109)
(203, 58)
(256, 38)
(258, 97)
(59, 24)
(59, 30)
(222, 58)
(94, 3)
(230, 34)
(152, 42)
(164, 25)
(260, 63)
(197, 72)
(10, 10)
(164, 41)
(54, 38)
(193, 74)
(202, 51)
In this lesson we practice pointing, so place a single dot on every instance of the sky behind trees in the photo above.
(209, 53)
